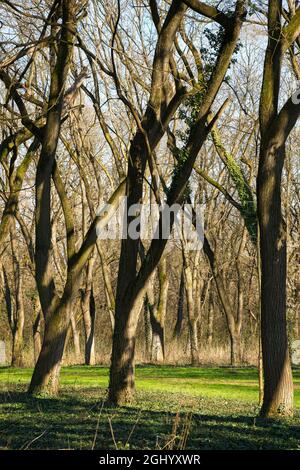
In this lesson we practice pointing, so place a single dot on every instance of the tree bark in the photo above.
(45, 378)
(275, 128)
(278, 384)
(76, 337)
(37, 332)
(180, 306)
(88, 312)
(158, 315)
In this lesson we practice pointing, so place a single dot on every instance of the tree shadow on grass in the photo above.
(84, 421)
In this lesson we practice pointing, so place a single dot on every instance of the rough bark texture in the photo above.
(275, 128)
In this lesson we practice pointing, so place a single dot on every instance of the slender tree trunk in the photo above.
(18, 346)
(88, 312)
(37, 335)
(234, 324)
(193, 327)
(210, 323)
(192, 316)
(158, 315)
(148, 329)
(180, 306)
(76, 337)
(18, 314)
(235, 343)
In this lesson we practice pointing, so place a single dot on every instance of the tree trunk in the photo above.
(37, 329)
(18, 314)
(235, 349)
(121, 383)
(210, 323)
(45, 378)
(17, 349)
(193, 327)
(148, 329)
(88, 312)
(76, 337)
(275, 128)
(158, 314)
(192, 314)
(278, 384)
(180, 307)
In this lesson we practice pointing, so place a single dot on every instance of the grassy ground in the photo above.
(175, 407)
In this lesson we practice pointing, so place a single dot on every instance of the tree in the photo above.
(275, 127)
(160, 109)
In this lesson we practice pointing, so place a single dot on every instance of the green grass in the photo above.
(217, 406)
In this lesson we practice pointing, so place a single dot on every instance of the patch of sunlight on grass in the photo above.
(232, 384)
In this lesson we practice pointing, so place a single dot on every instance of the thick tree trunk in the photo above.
(275, 128)
(278, 384)
(45, 378)
(121, 384)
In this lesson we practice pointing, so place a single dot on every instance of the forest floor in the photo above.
(175, 408)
